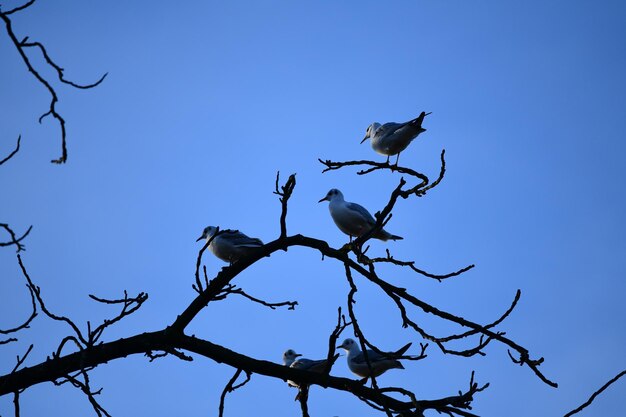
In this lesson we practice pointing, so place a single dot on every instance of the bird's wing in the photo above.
(239, 239)
(388, 129)
(362, 211)
(371, 355)
(316, 365)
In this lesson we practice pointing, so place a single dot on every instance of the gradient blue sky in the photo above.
(205, 101)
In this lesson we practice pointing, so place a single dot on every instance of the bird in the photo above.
(353, 219)
(311, 365)
(379, 363)
(392, 138)
(229, 245)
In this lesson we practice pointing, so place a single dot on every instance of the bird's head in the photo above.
(289, 356)
(331, 195)
(348, 345)
(369, 133)
(207, 232)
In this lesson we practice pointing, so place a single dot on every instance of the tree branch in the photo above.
(20, 46)
(14, 239)
(595, 394)
(12, 154)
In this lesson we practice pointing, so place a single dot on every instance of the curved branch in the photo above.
(224, 277)
(16, 150)
(22, 7)
(14, 239)
(26, 324)
(411, 264)
(20, 46)
(167, 339)
(595, 394)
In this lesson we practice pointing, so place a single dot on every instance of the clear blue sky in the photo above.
(205, 101)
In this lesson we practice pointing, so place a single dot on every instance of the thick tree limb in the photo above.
(167, 339)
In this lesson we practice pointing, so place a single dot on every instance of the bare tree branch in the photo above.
(21, 360)
(130, 305)
(86, 389)
(14, 239)
(284, 194)
(411, 264)
(17, 9)
(57, 368)
(332, 339)
(37, 292)
(26, 324)
(232, 289)
(12, 154)
(595, 394)
(230, 388)
(16, 403)
(21, 46)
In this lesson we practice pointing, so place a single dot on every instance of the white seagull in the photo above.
(311, 365)
(380, 363)
(392, 138)
(353, 219)
(229, 245)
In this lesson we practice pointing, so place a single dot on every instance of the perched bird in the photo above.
(289, 359)
(392, 138)
(379, 363)
(353, 219)
(229, 245)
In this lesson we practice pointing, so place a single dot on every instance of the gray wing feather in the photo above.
(372, 356)
(239, 239)
(389, 129)
(362, 211)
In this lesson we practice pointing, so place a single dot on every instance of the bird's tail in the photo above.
(417, 122)
(403, 349)
(385, 236)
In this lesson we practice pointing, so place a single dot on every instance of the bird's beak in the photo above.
(364, 139)
(323, 199)
(339, 347)
(200, 238)
(297, 354)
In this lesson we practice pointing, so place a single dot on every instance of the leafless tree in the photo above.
(84, 349)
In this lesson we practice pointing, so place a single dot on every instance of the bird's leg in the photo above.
(397, 159)
(387, 159)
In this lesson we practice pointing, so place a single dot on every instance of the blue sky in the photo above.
(205, 101)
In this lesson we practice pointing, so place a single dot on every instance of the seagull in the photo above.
(379, 363)
(229, 245)
(392, 138)
(311, 365)
(353, 219)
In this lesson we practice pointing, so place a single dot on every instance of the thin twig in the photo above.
(595, 394)
(230, 388)
(12, 154)
(14, 239)
(21, 46)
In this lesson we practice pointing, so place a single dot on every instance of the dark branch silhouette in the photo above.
(173, 336)
(12, 154)
(14, 239)
(595, 394)
(230, 387)
(88, 351)
(21, 47)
